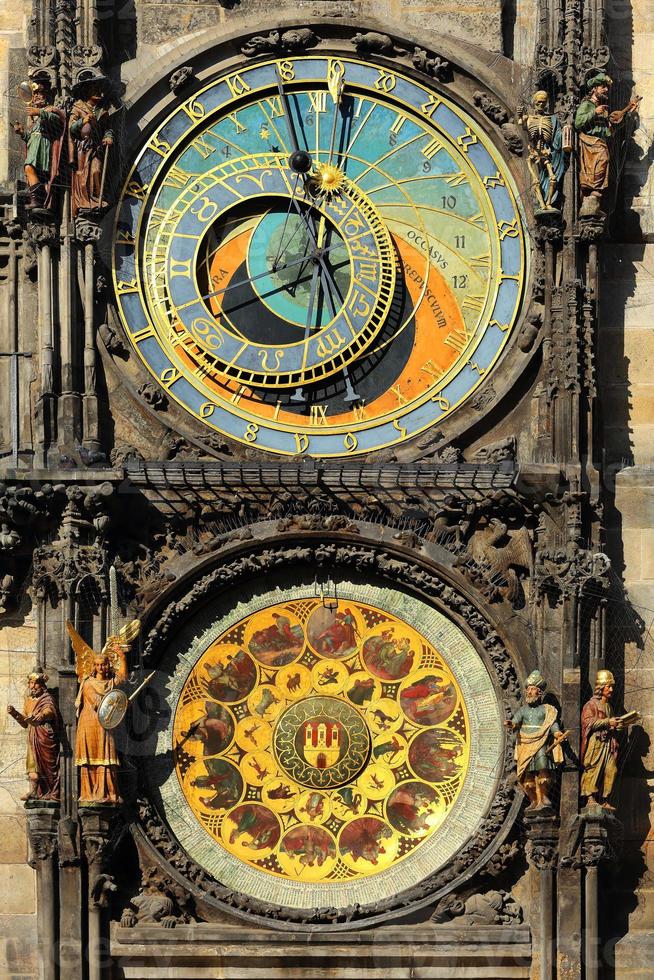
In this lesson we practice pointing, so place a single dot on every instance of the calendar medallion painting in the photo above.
(359, 758)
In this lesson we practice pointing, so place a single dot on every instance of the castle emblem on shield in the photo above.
(322, 743)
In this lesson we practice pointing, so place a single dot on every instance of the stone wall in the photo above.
(17, 880)
(13, 23)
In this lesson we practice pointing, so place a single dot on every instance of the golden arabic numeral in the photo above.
(143, 334)
(207, 409)
(400, 428)
(194, 109)
(386, 81)
(206, 211)
(162, 147)
(440, 400)
(237, 85)
(350, 442)
(125, 237)
(301, 441)
(431, 105)
(129, 286)
(251, 432)
(287, 70)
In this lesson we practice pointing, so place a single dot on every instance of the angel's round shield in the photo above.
(112, 708)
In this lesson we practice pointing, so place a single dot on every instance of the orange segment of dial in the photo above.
(440, 334)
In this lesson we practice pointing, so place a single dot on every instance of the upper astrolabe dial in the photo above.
(318, 255)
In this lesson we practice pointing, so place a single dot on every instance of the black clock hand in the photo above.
(260, 275)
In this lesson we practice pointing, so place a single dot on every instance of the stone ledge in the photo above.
(241, 953)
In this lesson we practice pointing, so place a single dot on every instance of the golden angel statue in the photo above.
(95, 746)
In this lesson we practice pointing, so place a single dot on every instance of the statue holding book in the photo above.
(600, 745)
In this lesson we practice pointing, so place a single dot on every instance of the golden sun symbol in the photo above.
(329, 178)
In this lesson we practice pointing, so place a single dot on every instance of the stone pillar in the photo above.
(44, 238)
(88, 234)
(98, 825)
(42, 823)
(542, 854)
(600, 830)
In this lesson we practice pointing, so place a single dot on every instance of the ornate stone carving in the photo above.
(113, 341)
(496, 452)
(154, 396)
(542, 854)
(372, 42)
(160, 901)
(489, 909)
(431, 64)
(499, 114)
(180, 79)
(292, 41)
(87, 231)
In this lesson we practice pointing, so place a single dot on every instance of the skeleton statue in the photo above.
(546, 161)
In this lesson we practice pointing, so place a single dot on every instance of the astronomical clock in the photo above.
(319, 256)
(312, 316)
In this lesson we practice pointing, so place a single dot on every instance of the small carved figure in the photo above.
(160, 901)
(595, 125)
(43, 139)
(545, 159)
(505, 552)
(600, 730)
(40, 716)
(96, 755)
(493, 908)
(431, 65)
(374, 43)
(180, 79)
(538, 744)
(289, 42)
(89, 139)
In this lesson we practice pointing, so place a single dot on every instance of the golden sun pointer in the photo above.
(329, 178)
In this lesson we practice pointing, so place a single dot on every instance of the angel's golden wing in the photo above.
(84, 655)
(117, 645)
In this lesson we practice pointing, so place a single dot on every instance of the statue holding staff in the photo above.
(90, 139)
(40, 716)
